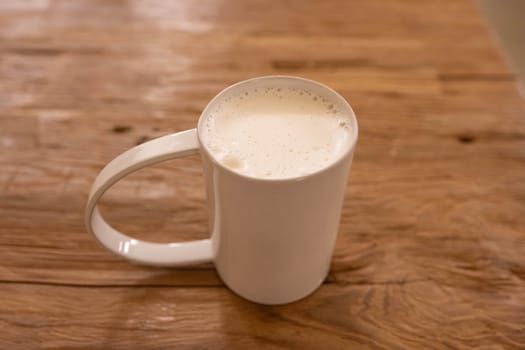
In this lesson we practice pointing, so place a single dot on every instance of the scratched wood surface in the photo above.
(431, 249)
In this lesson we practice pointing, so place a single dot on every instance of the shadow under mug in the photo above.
(271, 239)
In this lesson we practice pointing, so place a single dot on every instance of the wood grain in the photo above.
(430, 253)
(365, 316)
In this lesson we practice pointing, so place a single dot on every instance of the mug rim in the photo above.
(347, 152)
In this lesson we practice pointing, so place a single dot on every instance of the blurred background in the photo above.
(507, 20)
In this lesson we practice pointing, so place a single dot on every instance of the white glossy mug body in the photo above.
(271, 239)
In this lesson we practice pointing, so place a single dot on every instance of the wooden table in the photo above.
(431, 249)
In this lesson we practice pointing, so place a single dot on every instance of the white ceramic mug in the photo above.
(271, 240)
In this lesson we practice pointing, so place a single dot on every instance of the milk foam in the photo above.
(276, 132)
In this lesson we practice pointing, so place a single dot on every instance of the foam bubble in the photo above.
(232, 161)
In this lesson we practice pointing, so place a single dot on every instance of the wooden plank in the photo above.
(410, 314)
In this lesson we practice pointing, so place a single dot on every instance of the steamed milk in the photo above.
(276, 132)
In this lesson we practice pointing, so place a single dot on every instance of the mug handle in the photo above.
(172, 146)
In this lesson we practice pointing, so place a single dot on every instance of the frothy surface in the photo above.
(276, 132)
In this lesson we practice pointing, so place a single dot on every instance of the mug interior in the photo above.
(281, 81)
